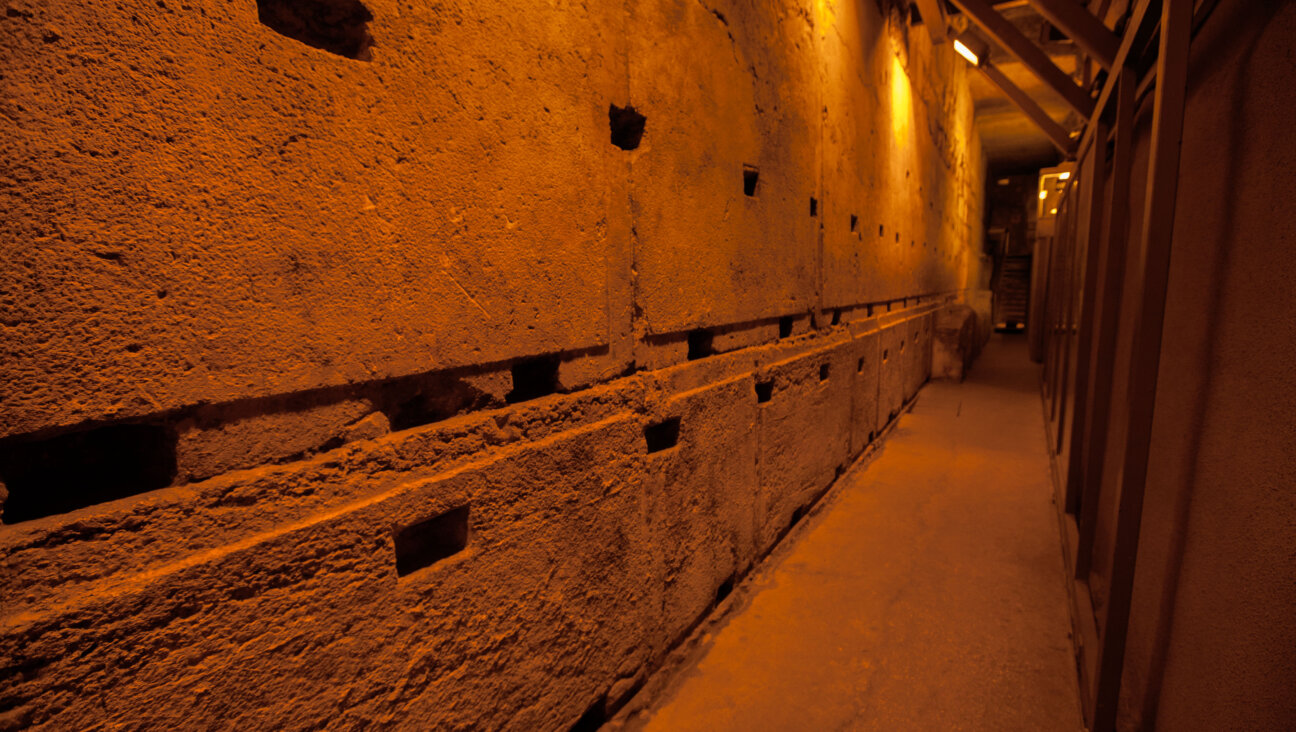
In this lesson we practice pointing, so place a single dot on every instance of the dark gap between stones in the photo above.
(699, 344)
(533, 378)
(72, 471)
(427, 542)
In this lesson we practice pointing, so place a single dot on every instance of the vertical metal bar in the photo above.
(1154, 266)
(1107, 322)
(1064, 239)
(1074, 274)
(1094, 181)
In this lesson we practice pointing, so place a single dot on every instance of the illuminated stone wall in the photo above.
(371, 364)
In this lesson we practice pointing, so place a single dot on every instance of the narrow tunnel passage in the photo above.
(927, 592)
(521, 365)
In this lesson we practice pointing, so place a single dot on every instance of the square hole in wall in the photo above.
(699, 344)
(785, 326)
(533, 378)
(627, 126)
(662, 435)
(750, 178)
(823, 372)
(836, 317)
(764, 391)
(422, 544)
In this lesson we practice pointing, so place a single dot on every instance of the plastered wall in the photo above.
(409, 388)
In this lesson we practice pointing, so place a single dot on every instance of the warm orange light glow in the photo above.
(901, 102)
(966, 53)
(1064, 175)
(1043, 195)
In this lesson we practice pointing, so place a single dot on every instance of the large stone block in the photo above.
(729, 162)
(214, 211)
(702, 495)
(401, 608)
(891, 376)
(864, 391)
(954, 344)
(804, 427)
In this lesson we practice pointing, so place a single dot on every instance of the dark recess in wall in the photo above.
(662, 435)
(814, 206)
(750, 177)
(594, 717)
(785, 326)
(438, 397)
(823, 372)
(428, 542)
(764, 391)
(533, 378)
(627, 126)
(336, 26)
(699, 344)
(724, 590)
(73, 471)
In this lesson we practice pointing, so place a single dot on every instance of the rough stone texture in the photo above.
(263, 438)
(254, 216)
(864, 393)
(924, 594)
(954, 344)
(803, 434)
(360, 295)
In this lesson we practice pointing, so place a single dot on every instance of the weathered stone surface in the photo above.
(360, 294)
(804, 431)
(703, 512)
(891, 378)
(864, 390)
(707, 253)
(200, 209)
(262, 438)
(954, 344)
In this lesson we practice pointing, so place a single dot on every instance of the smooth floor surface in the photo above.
(926, 594)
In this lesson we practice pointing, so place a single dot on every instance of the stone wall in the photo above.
(438, 365)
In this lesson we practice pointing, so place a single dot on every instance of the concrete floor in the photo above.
(926, 594)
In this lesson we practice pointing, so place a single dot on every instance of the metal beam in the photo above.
(1007, 35)
(1081, 27)
(1106, 322)
(933, 15)
(1137, 18)
(1153, 275)
(1056, 135)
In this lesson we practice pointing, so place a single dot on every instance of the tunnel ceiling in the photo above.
(1008, 137)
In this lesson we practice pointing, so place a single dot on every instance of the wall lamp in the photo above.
(971, 47)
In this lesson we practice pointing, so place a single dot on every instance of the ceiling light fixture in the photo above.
(971, 47)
